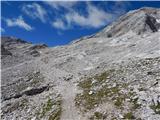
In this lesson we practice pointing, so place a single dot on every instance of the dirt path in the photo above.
(68, 90)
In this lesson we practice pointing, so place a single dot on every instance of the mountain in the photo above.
(15, 51)
(113, 74)
(141, 21)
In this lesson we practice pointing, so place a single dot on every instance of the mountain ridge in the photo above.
(139, 21)
(148, 10)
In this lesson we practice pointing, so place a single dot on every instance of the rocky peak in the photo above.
(152, 23)
(15, 50)
(6, 40)
(141, 21)
(13, 43)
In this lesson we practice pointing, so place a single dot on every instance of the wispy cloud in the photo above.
(96, 17)
(90, 17)
(35, 11)
(2, 30)
(19, 22)
(59, 24)
(120, 7)
(61, 4)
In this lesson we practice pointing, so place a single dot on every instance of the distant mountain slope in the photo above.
(144, 20)
(15, 51)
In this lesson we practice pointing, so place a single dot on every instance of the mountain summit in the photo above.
(141, 21)
(113, 74)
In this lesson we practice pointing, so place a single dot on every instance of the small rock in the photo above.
(108, 77)
(95, 105)
(69, 77)
(34, 118)
(94, 81)
(90, 92)
(150, 73)
(121, 116)
(28, 110)
(103, 84)
(127, 99)
(114, 85)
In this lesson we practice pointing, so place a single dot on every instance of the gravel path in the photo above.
(68, 90)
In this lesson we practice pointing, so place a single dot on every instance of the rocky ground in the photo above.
(113, 74)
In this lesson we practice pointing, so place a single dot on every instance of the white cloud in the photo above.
(59, 24)
(2, 30)
(96, 17)
(34, 10)
(120, 7)
(18, 22)
(61, 4)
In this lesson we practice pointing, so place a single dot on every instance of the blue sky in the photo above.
(58, 23)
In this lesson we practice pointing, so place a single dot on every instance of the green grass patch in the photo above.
(56, 115)
(47, 107)
(129, 116)
(51, 108)
(156, 108)
(97, 116)
(90, 100)
(119, 101)
(87, 84)
(135, 104)
(104, 75)
(104, 90)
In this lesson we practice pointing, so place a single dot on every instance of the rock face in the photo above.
(113, 74)
(140, 21)
(4, 51)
